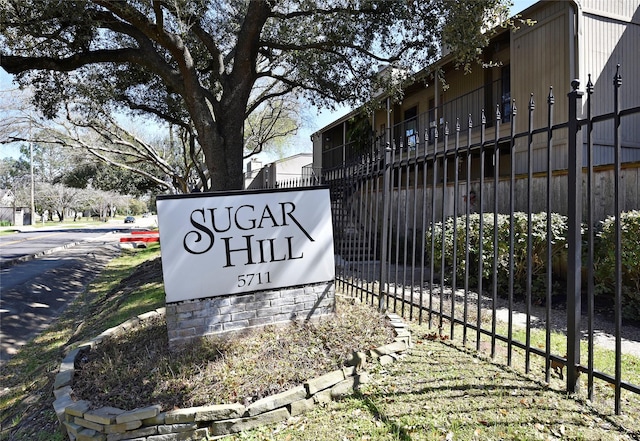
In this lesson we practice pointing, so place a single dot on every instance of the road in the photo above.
(34, 291)
(30, 242)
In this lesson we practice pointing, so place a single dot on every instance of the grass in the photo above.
(68, 222)
(444, 391)
(603, 359)
(441, 390)
(10, 229)
(26, 410)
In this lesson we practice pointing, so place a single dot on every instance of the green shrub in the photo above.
(520, 252)
(605, 261)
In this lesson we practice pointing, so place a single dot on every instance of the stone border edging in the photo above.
(212, 421)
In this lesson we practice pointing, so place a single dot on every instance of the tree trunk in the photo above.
(227, 151)
(232, 134)
(223, 146)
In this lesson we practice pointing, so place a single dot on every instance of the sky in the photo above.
(318, 118)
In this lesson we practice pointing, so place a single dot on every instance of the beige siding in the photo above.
(612, 37)
(402, 200)
(420, 99)
(543, 10)
(458, 83)
(540, 60)
(624, 10)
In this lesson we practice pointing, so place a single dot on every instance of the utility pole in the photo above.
(33, 205)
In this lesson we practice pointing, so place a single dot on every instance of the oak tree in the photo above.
(207, 65)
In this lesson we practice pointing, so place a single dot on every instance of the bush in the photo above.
(520, 252)
(605, 261)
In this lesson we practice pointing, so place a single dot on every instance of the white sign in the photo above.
(225, 243)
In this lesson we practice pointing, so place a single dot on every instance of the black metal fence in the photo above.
(432, 233)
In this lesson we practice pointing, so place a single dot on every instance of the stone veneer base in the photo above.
(81, 423)
(192, 319)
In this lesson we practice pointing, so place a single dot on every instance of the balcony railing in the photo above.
(410, 132)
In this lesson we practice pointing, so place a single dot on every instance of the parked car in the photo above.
(129, 220)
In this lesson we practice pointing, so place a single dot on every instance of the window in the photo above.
(411, 128)
(505, 107)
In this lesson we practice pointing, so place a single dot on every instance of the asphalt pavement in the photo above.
(36, 287)
(36, 292)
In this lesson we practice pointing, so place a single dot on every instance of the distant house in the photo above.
(8, 210)
(286, 172)
(253, 167)
(570, 40)
(7, 198)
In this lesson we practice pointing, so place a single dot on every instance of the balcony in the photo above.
(432, 124)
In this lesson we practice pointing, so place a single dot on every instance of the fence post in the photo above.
(574, 239)
(386, 196)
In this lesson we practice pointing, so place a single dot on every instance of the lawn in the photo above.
(444, 391)
(440, 390)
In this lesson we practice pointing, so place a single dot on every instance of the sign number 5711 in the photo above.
(253, 279)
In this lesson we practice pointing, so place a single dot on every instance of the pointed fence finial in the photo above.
(457, 124)
(514, 109)
(532, 104)
(617, 79)
(590, 86)
(470, 121)
(551, 99)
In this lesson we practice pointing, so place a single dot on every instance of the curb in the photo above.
(10, 263)
(29, 257)
(80, 423)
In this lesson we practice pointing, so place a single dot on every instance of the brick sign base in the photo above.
(192, 319)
